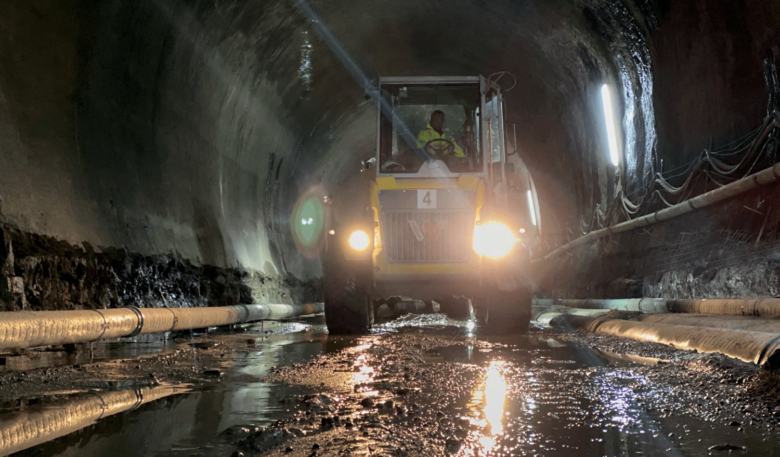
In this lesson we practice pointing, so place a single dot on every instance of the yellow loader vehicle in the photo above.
(444, 214)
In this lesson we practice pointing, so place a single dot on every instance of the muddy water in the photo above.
(84, 353)
(202, 421)
(540, 394)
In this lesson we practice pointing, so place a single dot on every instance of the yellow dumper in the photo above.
(446, 212)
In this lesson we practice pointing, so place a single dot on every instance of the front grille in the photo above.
(427, 236)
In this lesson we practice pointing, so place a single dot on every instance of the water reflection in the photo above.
(491, 397)
(27, 428)
(186, 425)
(363, 372)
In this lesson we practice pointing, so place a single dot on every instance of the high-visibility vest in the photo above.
(430, 134)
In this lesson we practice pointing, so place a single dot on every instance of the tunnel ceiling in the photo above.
(192, 126)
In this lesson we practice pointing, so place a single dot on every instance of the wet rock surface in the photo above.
(42, 273)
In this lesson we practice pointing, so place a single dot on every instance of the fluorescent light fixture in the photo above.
(609, 118)
(531, 208)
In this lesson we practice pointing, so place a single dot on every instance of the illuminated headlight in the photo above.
(358, 240)
(493, 240)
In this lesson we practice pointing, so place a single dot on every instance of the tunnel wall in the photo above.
(727, 250)
(182, 132)
(130, 133)
(708, 89)
(186, 130)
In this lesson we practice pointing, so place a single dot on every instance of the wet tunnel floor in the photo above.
(426, 386)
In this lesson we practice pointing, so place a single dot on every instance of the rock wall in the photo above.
(726, 250)
(43, 273)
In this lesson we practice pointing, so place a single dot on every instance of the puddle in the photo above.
(540, 396)
(190, 424)
(525, 350)
(99, 351)
(533, 395)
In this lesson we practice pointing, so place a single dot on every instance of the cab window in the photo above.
(436, 121)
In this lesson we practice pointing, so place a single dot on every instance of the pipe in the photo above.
(762, 178)
(31, 427)
(755, 347)
(760, 307)
(644, 305)
(545, 315)
(749, 323)
(26, 329)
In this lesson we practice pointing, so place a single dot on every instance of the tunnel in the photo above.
(153, 153)
(169, 141)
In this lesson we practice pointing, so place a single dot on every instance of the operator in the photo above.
(434, 134)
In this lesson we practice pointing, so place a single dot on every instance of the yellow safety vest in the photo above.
(430, 134)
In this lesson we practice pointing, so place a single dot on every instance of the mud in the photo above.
(441, 392)
(417, 386)
(43, 273)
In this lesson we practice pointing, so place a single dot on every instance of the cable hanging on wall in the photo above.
(712, 169)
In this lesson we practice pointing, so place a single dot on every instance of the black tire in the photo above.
(455, 308)
(508, 312)
(347, 306)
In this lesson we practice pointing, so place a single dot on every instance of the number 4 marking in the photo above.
(426, 199)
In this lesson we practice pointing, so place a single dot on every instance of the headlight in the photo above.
(493, 240)
(358, 240)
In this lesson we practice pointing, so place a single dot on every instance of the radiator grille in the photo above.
(420, 236)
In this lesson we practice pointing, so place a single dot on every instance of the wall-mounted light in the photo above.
(531, 208)
(609, 118)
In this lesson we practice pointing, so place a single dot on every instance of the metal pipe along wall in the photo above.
(760, 307)
(26, 329)
(755, 347)
(762, 178)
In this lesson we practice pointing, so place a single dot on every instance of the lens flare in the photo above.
(493, 240)
(308, 221)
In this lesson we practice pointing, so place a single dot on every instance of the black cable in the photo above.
(623, 206)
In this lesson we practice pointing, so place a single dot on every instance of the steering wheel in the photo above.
(440, 146)
(390, 163)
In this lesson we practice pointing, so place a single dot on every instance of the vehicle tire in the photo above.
(347, 305)
(508, 312)
(455, 308)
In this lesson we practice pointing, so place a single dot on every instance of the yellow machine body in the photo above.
(386, 271)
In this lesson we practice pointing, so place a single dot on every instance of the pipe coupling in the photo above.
(140, 317)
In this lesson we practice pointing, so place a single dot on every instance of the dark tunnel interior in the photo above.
(168, 140)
